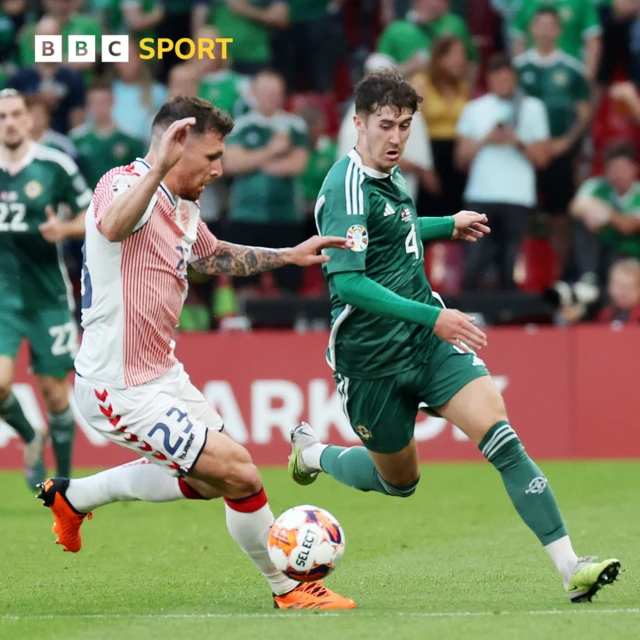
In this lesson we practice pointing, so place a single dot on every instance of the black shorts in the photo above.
(556, 184)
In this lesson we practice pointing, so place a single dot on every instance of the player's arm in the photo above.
(464, 225)
(119, 219)
(240, 260)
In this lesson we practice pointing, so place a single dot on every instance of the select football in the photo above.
(306, 543)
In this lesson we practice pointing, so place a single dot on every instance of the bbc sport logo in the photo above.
(116, 48)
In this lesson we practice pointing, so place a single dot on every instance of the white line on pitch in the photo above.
(423, 614)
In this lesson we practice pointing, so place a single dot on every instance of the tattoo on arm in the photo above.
(240, 260)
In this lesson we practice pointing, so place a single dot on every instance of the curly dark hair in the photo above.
(208, 117)
(385, 89)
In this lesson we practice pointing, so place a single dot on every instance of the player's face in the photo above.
(200, 164)
(622, 173)
(545, 30)
(624, 289)
(383, 136)
(15, 122)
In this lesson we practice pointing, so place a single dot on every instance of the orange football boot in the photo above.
(312, 595)
(66, 520)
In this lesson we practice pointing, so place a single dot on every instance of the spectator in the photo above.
(58, 86)
(623, 292)
(314, 26)
(322, 157)
(42, 133)
(627, 94)
(218, 84)
(137, 96)
(248, 22)
(559, 80)
(183, 80)
(101, 145)
(580, 35)
(13, 16)
(139, 18)
(175, 24)
(446, 92)
(503, 138)
(409, 41)
(506, 10)
(616, 18)
(608, 211)
(266, 153)
(416, 162)
(70, 23)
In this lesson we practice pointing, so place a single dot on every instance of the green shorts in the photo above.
(52, 335)
(383, 411)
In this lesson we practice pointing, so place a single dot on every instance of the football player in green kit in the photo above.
(395, 349)
(37, 305)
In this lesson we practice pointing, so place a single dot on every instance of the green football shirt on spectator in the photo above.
(116, 20)
(257, 197)
(559, 81)
(628, 204)
(579, 19)
(98, 154)
(78, 25)
(403, 39)
(307, 10)
(321, 158)
(250, 38)
(223, 89)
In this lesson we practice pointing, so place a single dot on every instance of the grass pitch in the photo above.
(452, 562)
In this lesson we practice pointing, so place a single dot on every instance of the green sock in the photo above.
(62, 430)
(11, 412)
(354, 467)
(526, 485)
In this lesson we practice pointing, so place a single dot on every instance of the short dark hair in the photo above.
(385, 89)
(620, 149)
(548, 11)
(497, 62)
(208, 117)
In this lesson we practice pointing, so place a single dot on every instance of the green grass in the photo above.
(453, 562)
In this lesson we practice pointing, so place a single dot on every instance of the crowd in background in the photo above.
(531, 114)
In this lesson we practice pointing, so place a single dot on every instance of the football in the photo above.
(306, 543)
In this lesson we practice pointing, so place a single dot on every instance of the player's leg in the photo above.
(477, 408)
(53, 340)
(11, 334)
(383, 416)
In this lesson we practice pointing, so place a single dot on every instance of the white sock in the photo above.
(250, 530)
(563, 556)
(139, 480)
(311, 456)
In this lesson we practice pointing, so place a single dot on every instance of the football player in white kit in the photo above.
(143, 228)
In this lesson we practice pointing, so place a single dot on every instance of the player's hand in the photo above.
(458, 329)
(470, 226)
(172, 144)
(54, 229)
(307, 253)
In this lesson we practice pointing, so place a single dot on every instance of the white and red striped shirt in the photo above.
(133, 291)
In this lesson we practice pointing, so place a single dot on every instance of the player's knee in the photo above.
(55, 396)
(5, 390)
(405, 490)
(239, 475)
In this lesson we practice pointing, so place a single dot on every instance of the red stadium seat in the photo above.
(537, 266)
(444, 266)
(323, 102)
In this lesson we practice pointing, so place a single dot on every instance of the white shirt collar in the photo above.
(172, 198)
(372, 173)
(26, 161)
(548, 60)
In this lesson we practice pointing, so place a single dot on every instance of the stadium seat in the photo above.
(323, 102)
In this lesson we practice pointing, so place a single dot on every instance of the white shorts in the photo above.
(165, 420)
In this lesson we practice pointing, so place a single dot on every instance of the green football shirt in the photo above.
(99, 153)
(250, 38)
(559, 81)
(258, 197)
(579, 21)
(223, 89)
(403, 39)
(32, 274)
(307, 10)
(321, 159)
(628, 204)
(377, 212)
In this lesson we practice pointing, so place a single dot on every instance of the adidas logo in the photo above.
(388, 210)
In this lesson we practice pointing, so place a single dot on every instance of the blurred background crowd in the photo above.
(531, 114)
